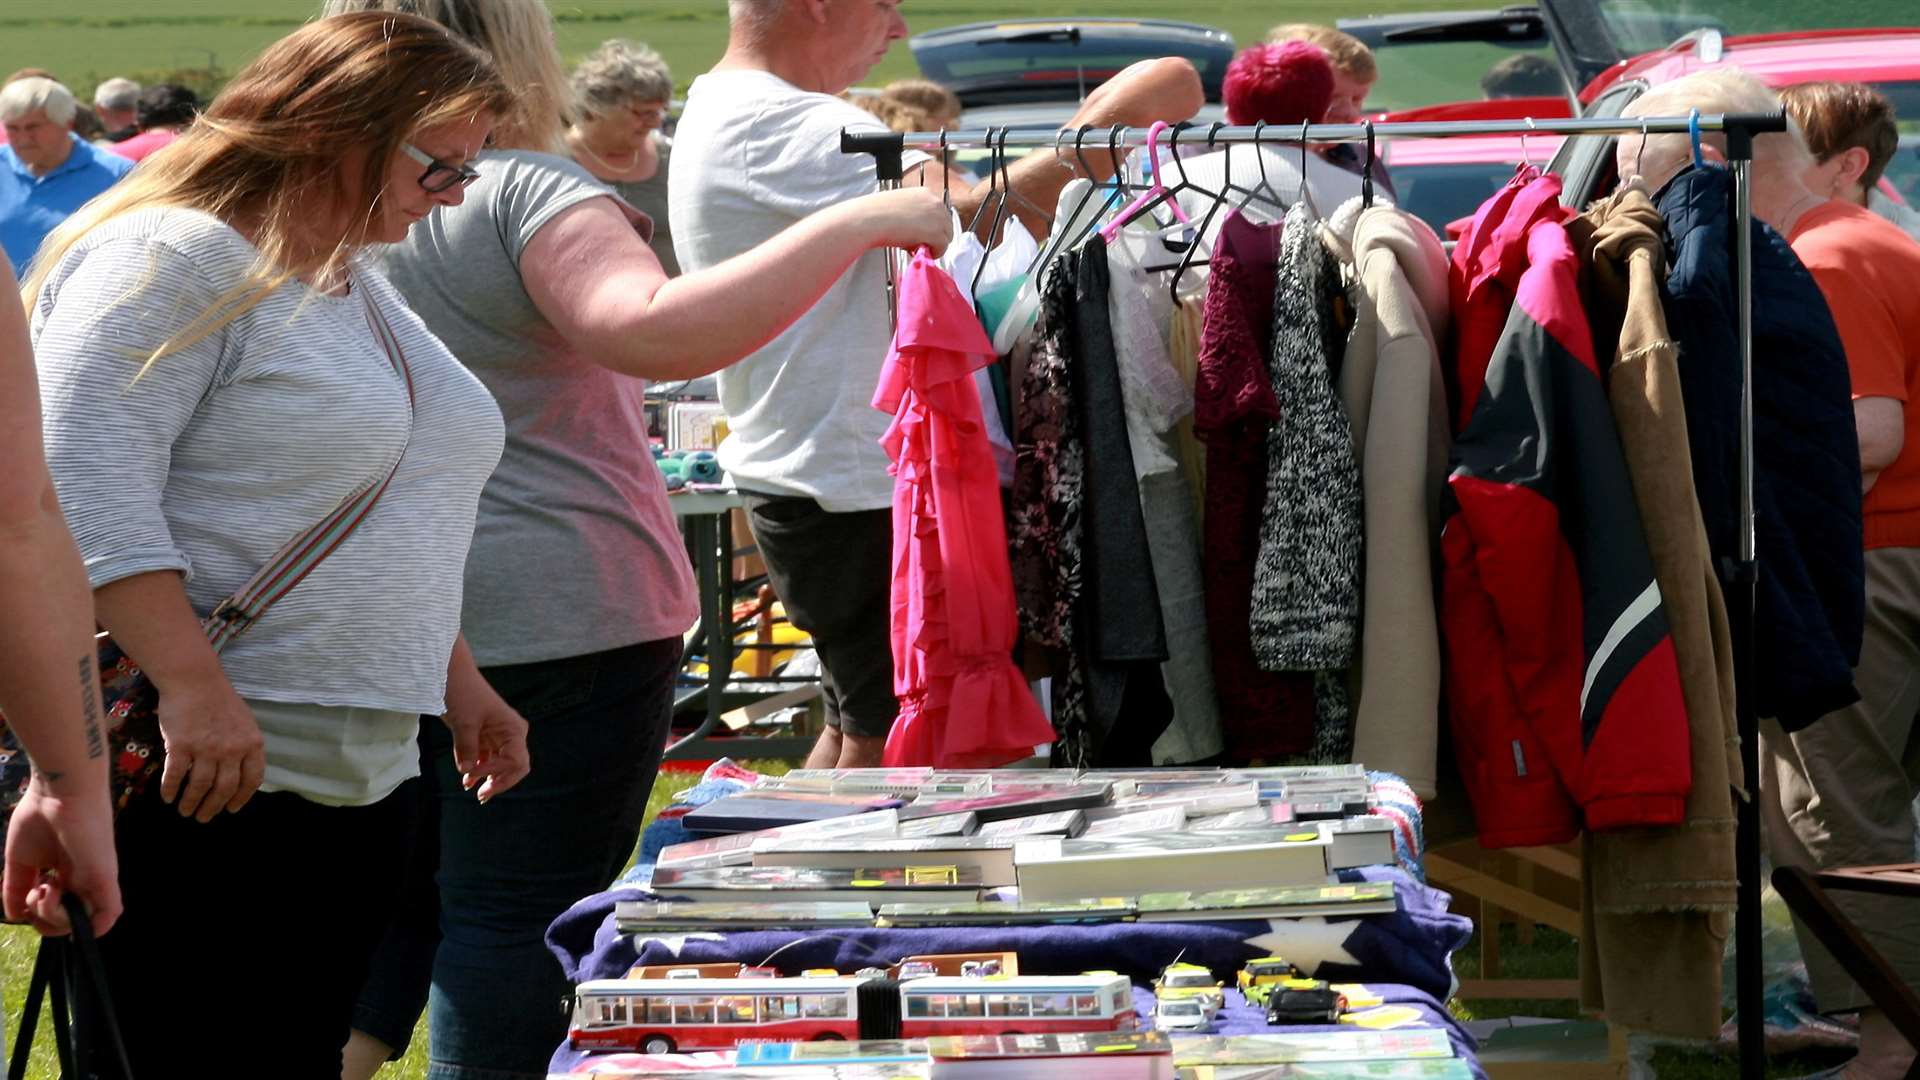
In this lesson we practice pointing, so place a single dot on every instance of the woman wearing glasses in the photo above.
(578, 586)
(221, 368)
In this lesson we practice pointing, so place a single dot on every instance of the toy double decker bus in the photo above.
(659, 1016)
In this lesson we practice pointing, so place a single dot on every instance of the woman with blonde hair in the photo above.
(223, 370)
(578, 586)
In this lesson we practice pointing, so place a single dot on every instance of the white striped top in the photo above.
(221, 452)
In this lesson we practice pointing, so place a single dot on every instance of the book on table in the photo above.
(1285, 902)
(1313, 1046)
(872, 884)
(1051, 868)
(736, 849)
(1009, 912)
(1109, 1055)
(1021, 802)
(963, 823)
(1418, 1069)
(991, 856)
(1057, 823)
(643, 916)
(753, 810)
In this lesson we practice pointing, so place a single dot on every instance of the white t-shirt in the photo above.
(754, 154)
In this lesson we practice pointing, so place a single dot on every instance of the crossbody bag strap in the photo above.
(300, 555)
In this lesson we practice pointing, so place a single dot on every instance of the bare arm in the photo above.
(213, 743)
(1164, 89)
(1881, 423)
(49, 689)
(601, 287)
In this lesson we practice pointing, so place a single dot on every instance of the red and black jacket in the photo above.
(1564, 695)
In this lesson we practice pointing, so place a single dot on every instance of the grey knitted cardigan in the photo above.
(1306, 583)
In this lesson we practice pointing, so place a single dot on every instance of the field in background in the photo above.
(86, 43)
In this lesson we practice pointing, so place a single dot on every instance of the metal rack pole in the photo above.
(1741, 581)
(1749, 985)
(877, 142)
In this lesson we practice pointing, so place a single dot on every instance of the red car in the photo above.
(1886, 58)
(1616, 52)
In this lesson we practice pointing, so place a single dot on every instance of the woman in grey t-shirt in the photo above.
(578, 585)
(221, 367)
(620, 98)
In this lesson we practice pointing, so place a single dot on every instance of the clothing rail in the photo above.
(1740, 581)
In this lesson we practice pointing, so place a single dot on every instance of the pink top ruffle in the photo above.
(963, 703)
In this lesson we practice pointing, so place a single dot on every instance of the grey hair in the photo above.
(752, 20)
(116, 94)
(23, 96)
(1721, 90)
(617, 74)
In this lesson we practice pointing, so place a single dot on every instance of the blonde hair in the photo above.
(518, 34)
(1721, 90)
(267, 151)
(925, 95)
(1350, 55)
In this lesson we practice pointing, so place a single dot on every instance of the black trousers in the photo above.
(245, 939)
(834, 574)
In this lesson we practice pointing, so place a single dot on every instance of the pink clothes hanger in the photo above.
(1150, 197)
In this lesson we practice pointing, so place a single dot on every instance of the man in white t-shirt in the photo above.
(757, 148)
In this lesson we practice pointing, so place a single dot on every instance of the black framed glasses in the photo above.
(439, 176)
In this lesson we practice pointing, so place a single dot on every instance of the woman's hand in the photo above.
(489, 736)
(216, 756)
(61, 842)
(908, 218)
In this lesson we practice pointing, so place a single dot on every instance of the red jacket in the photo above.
(1563, 691)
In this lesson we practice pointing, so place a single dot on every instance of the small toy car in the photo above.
(1304, 1001)
(748, 971)
(820, 973)
(917, 969)
(1183, 1014)
(1188, 981)
(1259, 977)
(872, 972)
(979, 968)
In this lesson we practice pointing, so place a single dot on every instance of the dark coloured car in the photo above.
(1305, 1001)
(1019, 61)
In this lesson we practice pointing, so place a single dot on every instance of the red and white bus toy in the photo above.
(660, 1016)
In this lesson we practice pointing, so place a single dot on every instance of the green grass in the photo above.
(85, 43)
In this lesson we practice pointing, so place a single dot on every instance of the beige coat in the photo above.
(1395, 399)
(1659, 901)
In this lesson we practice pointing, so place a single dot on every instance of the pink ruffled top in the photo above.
(963, 702)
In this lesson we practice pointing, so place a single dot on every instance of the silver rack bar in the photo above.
(1130, 137)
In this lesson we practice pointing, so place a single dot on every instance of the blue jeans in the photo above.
(473, 950)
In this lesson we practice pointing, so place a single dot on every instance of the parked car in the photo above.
(1022, 61)
(1887, 59)
(1442, 180)
(1433, 56)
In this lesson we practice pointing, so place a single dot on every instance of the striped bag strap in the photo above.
(300, 555)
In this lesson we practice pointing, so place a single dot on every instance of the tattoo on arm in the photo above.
(90, 707)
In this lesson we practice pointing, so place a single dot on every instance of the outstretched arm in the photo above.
(601, 287)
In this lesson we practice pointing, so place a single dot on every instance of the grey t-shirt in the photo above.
(576, 550)
(649, 196)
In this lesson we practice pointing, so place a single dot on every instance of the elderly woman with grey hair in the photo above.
(620, 95)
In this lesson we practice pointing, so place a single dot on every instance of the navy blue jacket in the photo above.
(1807, 454)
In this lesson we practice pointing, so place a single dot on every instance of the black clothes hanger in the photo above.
(1366, 172)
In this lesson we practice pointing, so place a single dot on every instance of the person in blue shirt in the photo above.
(46, 171)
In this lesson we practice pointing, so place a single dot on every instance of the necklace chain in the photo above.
(604, 163)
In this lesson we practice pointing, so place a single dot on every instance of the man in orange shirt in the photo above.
(1840, 792)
